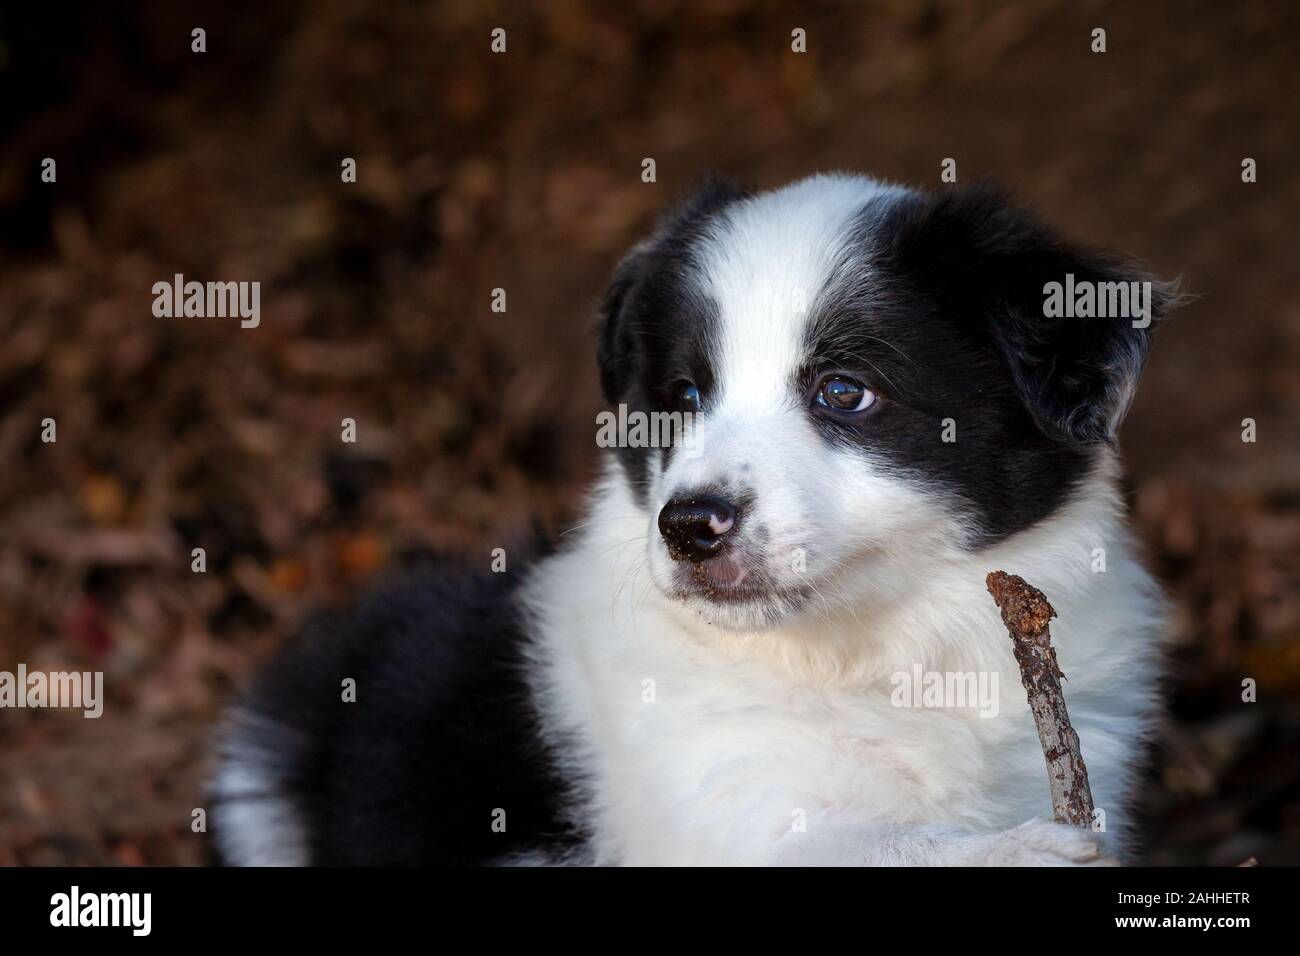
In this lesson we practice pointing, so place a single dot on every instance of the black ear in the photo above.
(617, 354)
(1072, 325)
(645, 282)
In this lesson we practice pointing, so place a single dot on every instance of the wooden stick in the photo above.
(1026, 613)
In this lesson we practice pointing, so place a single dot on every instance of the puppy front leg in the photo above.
(830, 842)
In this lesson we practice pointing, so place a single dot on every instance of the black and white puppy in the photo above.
(758, 650)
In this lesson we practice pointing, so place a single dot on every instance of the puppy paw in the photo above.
(1043, 843)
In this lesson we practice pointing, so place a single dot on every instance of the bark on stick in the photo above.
(1026, 613)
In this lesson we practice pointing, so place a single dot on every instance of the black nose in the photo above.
(694, 527)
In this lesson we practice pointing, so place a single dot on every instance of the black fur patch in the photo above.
(948, 323)
(973, 245)
(441, 735)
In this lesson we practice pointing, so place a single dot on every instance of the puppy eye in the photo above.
(845, 395)
(688, 397)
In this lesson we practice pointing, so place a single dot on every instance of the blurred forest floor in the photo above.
(522, 171)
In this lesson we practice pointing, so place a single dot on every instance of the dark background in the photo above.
(522, 171)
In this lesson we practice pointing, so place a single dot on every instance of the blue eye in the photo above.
(845, 395)
(688, 398)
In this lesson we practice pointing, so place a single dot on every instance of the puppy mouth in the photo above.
(731, 579)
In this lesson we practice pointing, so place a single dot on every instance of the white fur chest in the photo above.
(715, 761)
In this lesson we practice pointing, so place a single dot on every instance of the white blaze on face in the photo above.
(764, 265)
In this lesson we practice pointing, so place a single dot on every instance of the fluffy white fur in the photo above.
(744, 728)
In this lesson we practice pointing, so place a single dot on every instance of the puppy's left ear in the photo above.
(1075, 370)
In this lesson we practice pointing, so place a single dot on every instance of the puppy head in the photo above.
(875, 379)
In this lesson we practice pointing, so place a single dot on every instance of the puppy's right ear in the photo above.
(630, 308)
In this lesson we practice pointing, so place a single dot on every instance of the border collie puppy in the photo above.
(712, 669)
